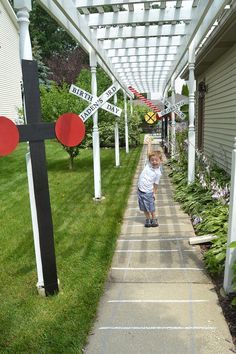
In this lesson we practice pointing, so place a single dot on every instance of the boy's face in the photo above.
(155, 161)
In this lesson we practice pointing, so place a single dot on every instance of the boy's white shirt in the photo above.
(148, 177)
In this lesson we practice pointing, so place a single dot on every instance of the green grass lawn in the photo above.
(85, 234)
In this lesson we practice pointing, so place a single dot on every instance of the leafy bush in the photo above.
(215, 256)
(205, 200)
(57, 100)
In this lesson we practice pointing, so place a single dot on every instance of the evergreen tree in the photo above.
(43, 71)
(185, 90)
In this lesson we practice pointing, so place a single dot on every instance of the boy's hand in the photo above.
(148, 140)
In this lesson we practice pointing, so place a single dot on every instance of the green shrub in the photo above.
(205, 200)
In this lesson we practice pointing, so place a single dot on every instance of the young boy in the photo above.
(147, 185)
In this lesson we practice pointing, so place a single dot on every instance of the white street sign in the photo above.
(172, 108)
(179, 113)
(77, 91)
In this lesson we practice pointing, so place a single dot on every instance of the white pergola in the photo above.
(143, 44)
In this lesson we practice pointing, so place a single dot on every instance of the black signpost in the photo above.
(35, 131)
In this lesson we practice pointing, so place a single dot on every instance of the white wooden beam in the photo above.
(95, 3)
(145, 74)
(201, 239)
(115, 53)
(150, 68)
(144, 79)
(141, 31)
(126, 17)
(141, 42)
(137, 79)
(143, 59)
(153, 69)
(151, 63)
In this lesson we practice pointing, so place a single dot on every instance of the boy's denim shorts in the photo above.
(146, 201)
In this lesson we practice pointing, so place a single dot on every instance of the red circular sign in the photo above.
(70, 129)
(9, 136)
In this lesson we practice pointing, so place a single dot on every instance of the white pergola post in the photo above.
(231, 252)
(96, 140)
(191, 131)
(172, 118)
(116, 130)
(168, 135)
(167, 138)
(23, 8)
(126, 125)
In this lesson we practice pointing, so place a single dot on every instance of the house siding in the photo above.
(10, 70)
(220, 109)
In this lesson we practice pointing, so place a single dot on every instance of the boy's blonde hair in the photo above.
(154, 154)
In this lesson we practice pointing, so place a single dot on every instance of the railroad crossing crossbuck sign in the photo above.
(173, 108)
(97, 102)
(150, 117)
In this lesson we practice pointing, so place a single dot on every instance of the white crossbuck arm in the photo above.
(77, 91)
(173, 108)
(91, 109)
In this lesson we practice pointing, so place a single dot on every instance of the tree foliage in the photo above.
(65, 68)
(185, 90)
(59, 57)
(43, 70)
(52, 39)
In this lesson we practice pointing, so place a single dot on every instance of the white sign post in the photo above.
(231, 252)
(172, 108)
(97, 102)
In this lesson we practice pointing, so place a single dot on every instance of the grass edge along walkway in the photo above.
(85, 235)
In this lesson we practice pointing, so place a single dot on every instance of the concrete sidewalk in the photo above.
(158, 298)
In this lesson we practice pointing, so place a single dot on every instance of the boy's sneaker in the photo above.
(148, 223)
(154, 223)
